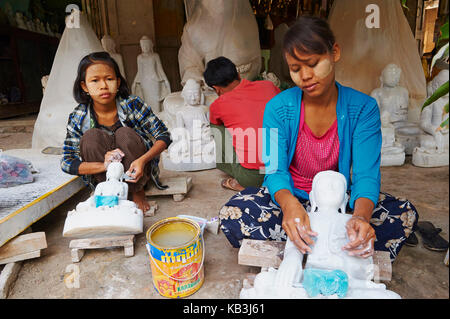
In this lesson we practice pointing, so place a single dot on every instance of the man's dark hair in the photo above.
(310, 35)
(97, 57)
(220, 72)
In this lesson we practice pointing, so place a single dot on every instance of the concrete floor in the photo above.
(106, 273)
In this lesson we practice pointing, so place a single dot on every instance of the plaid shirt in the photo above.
(132, 112)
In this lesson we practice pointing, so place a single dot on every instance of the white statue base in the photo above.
(422, 158)
(104, 221)
(264, 287)
(409, 136)
(115, 215)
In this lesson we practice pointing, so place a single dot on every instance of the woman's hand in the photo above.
(295, 221)
(362, 237)
(136, 170)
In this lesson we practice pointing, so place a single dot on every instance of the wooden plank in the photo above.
(23, 244)
(177, 186)
(7, 278)
(26, 256)
(95, 243)
(261, 253)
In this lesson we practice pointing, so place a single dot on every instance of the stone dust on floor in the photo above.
(107, 273)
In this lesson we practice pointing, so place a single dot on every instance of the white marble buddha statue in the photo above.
(328, 219)
(434, 142)
(151, 82)
(394, 99)
(109, 45)
(193, 147)
(107, 212)
(220, 28)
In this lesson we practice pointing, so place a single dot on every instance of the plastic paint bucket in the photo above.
(177, 254)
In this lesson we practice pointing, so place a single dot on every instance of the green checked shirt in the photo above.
(132, 112)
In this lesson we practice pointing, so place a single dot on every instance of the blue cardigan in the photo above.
(359, 130)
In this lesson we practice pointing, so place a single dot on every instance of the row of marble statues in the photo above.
(427, 142)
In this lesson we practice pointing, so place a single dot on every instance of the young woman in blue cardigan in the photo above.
(319, 114)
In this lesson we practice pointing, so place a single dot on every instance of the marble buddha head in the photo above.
(390, 76)
(146, 44)
(192, 93)
(108, 44)
(437, 82)
(115, 171)
(329, 192)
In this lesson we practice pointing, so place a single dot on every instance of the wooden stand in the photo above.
(12, 254)
(178, 188)
(78, 246)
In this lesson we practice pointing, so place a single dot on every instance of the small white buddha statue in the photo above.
(394, 99)
(392, 152)
(107, 212)
(328, 219)
(434, 143)
(193, 147)
(109, 45)
(151, 82)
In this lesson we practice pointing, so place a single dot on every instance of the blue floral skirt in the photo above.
(252, 214)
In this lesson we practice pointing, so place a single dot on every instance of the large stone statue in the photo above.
(220, 28)
(151, 83)
(277, 62)
(434, 143)
(394, 99)
(372, 34)
(58, 101)
(107, 212)
(352, 276)
(110, 46)
(193, 147)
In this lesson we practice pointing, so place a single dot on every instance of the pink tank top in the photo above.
(313, 154)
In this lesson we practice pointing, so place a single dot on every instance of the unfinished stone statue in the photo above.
(151, 83)
(434, 143)
(394, 99)
(277, 62)
(328, 219)
(220, 28)
(107, 212)
(193, 148)
(110, 46)
(392, 152)
(58, 101)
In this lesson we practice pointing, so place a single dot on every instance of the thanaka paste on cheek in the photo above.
(323, 69)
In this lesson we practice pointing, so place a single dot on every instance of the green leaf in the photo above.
(440, 92)
(444, 32)
(444, 124)
(404, 4)
(446, 108)
(442, 54)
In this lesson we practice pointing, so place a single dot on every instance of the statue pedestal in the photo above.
(409, 137)
(393, 159)
(421, 158)
(104, 221)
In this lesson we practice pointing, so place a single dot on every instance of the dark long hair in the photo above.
(309, 35)
(98, 57)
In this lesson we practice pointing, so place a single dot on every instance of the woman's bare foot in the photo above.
(232, 183)
(140, 200)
